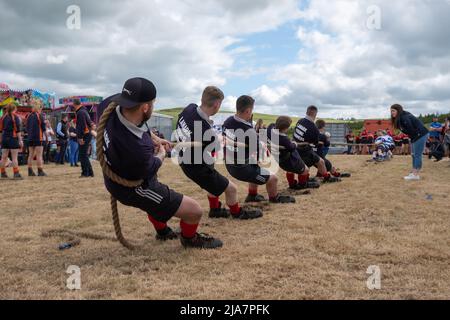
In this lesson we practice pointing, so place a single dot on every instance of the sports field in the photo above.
(319, 248)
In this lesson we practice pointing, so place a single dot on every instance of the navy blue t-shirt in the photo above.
(240, 131)
(35, 127)
(289, 151)
(9, 128)
(84, 122)
(306, 131)
(191, 118)
(129, 150)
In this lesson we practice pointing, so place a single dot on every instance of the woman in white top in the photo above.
(48, 138)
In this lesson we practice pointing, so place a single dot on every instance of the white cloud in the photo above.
(349, 70)
(60, 59)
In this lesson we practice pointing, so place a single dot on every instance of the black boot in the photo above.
(41, 173)
(201, 241)
(166, 234)
(31, 172)
(255, 198)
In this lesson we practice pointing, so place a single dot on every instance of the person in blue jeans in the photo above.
(73, 145)
(414, 128)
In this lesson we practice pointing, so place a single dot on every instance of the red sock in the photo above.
(253, 191)
(291, 179)
(235, 209)
(336, 174)
(158, 225)
(16, 170)
(214, 202)
(303, 179)
(325, 176)
(3, 170)
(188, 231)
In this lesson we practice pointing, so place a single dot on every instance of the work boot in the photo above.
(255, 198)
(31, 172)
(201, 241)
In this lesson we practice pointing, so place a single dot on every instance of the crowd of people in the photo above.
(72, 141)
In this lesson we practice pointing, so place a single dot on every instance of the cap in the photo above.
(135, 91)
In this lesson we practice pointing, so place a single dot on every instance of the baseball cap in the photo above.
(135, 91)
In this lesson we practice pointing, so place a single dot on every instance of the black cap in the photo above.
(135, 91)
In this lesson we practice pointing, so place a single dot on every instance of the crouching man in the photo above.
(134, 153)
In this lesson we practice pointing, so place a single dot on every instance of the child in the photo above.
(384, 145)
(289, 158)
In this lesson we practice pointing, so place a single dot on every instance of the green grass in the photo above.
(267, 118)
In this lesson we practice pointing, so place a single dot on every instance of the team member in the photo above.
(200, 169)
(306, 135)
(134, 153)
(84, 127)
(62, 133)
(324, 146)
(241, 140)
(289, 158)
(11, 140)
(35, 130)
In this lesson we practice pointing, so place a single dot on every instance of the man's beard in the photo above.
(147, 115)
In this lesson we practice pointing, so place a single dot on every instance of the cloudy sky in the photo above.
(350, 58)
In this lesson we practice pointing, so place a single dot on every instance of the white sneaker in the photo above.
(412, 177)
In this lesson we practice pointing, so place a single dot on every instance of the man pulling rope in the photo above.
(130, 156)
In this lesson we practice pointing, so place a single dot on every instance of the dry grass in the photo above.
(319, 248)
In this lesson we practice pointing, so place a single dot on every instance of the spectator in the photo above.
(36, 129)
(415, 129)
(73, 144)
(435, 130)
(63, 135)
(84, 136)
(350, 138)
(48, 139)
(446, 132)
(11, 140)
(94, 142)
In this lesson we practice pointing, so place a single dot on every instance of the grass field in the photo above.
(268, 118)
(319, 248)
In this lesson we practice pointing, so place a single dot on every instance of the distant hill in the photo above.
(267, 118)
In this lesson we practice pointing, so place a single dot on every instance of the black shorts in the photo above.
(34, 144)
(251, 173)
(293, 165)
(398, 143)
(206, 177)
(155, 198)
(309, 157)
(10, 144)
(406, 141)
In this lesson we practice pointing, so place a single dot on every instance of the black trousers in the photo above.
(62, 150)
(86, 167)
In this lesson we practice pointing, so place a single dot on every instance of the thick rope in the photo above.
(111, 175)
